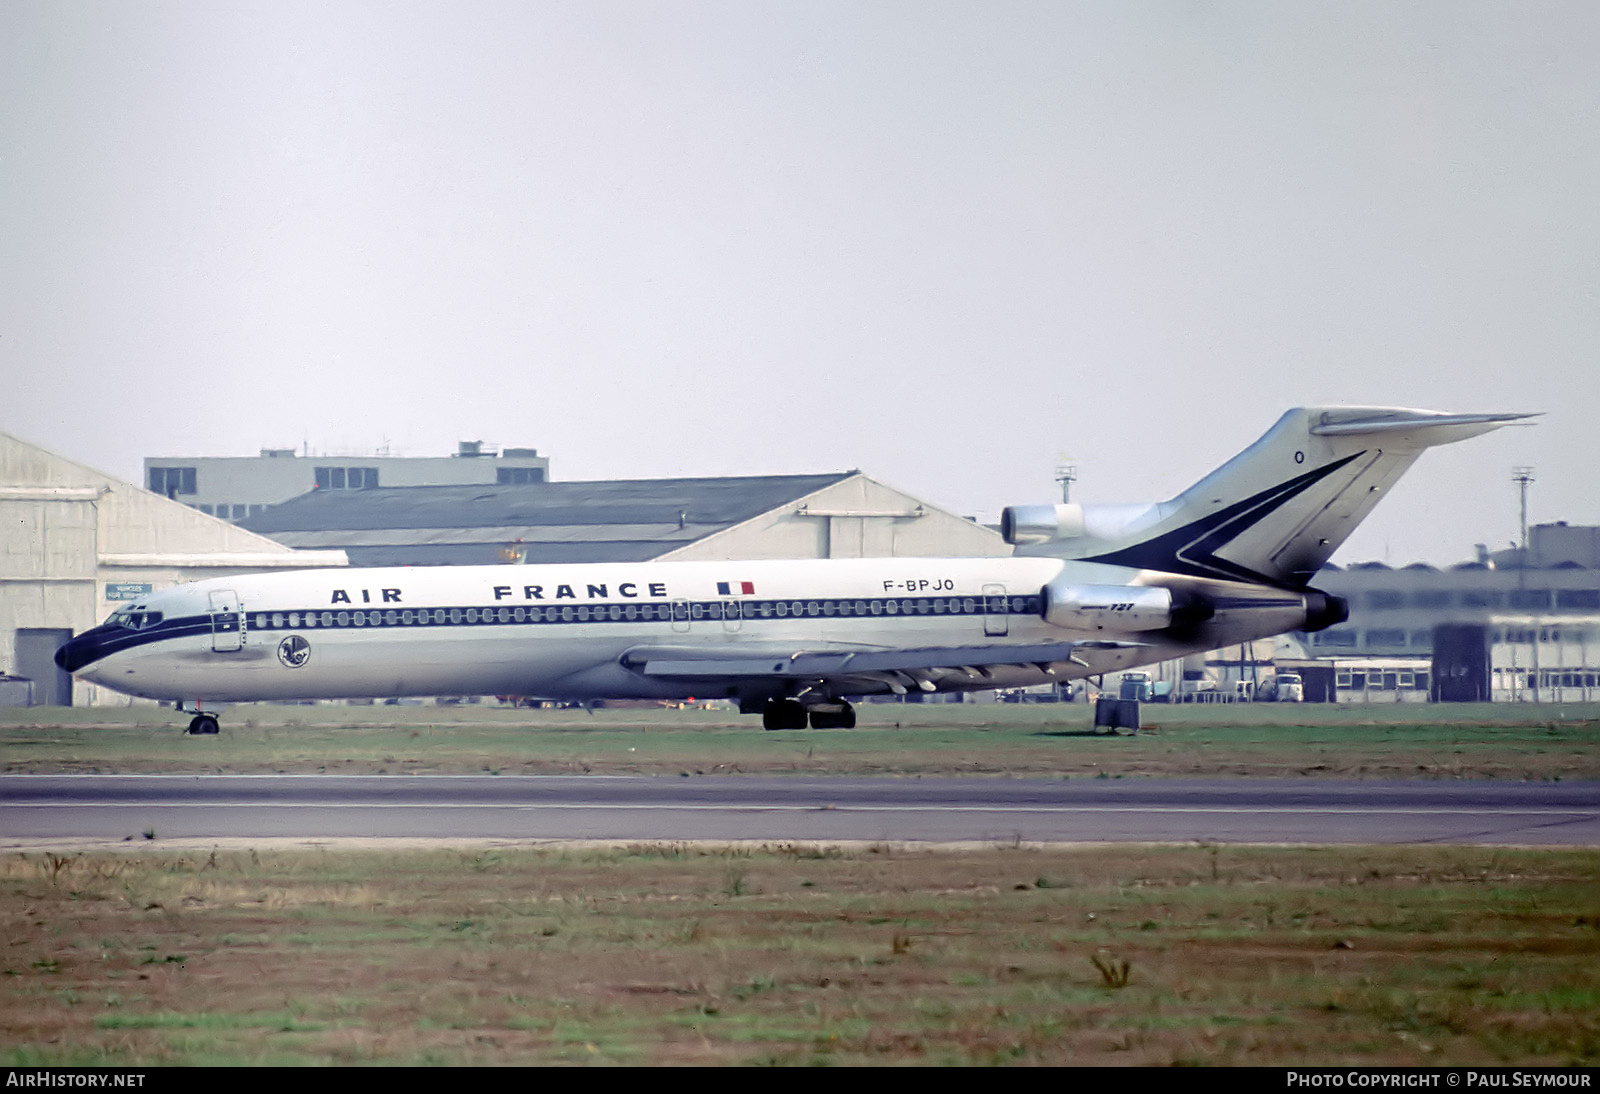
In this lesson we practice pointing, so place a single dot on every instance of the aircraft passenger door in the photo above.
(996, 611)
(680, 615)
(227, 622)
(732, 615)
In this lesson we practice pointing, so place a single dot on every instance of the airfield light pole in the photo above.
(1066, 475)
(1523, 477)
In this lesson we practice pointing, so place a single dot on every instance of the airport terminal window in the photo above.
(1578, 598)
(518, 476)
(1386, 638)
(1385, 600)
(1431, 598)
(172, 480)
(1530, 598)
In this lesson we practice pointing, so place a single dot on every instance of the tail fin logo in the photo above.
(1191, 549)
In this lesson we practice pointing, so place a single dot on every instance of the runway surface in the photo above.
(39, 808)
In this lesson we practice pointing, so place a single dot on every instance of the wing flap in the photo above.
(735, 662)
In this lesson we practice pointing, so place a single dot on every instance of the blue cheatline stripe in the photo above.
(102, 641)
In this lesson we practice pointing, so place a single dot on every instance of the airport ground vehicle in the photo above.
(1289, 688)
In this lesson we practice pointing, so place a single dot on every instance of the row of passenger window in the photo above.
(682, 611)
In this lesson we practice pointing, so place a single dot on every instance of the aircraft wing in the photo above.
(701, 662)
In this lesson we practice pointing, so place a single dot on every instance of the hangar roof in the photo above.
(624, 521)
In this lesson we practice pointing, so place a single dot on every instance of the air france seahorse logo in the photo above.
(294, 651)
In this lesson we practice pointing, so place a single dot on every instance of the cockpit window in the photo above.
(133, 619)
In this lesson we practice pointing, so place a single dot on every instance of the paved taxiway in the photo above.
(36, 808)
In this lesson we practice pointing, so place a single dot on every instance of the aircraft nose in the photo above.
(79, 651)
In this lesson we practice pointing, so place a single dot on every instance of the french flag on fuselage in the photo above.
(736, 588)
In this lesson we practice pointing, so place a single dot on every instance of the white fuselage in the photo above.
(564, 632)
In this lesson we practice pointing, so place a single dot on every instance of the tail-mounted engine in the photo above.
(1131, 609)
(1122, 608)
(1324, 610)
(1022, 525)
(1089, 525)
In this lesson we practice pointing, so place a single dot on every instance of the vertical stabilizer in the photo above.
(1277, 511)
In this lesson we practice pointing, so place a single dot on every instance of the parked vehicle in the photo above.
(1136, 686)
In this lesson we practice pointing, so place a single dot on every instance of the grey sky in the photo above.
(942, 242)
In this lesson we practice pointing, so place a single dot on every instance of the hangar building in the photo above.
(75, 543)
(840, 515)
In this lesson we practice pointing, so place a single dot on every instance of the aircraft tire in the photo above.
(783, 714)
(844, 718)
(203, 725)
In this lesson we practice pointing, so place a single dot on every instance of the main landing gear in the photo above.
(791, 714)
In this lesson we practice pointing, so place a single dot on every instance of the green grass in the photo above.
(1308, 740)
(1380, 956)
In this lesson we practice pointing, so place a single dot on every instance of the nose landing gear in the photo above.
(203, 725)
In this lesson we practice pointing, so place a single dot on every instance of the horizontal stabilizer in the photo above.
(1363, 421)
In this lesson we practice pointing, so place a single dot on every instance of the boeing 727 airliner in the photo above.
(1090, 589)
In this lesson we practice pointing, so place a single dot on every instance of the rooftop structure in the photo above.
(236, 487)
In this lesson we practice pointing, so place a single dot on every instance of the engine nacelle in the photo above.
(1024, 524)
(1123, 608)
(1324, 610)
(1029, 525)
